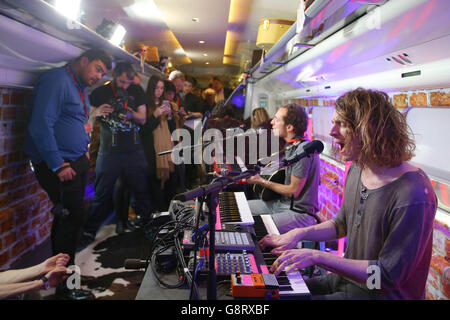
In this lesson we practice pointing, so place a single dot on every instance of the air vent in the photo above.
(402, 59)
(411, 74)
(327, 87)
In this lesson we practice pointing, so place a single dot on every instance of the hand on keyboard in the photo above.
(294, 259)
(282, 242)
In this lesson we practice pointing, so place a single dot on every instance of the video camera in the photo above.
(118, 104)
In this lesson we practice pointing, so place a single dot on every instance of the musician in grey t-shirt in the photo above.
(387, 213)
(302, 178)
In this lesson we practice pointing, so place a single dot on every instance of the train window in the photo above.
(263, 100)
(430, 129)
(321, 118)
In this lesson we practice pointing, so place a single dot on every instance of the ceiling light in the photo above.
(206, 62)
(205, 54)
(70, 9)
(201, 41)
(118, 35)
(195, 19)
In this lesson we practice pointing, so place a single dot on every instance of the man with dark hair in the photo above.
(193, 103)
(221, 92)
(120, 106)
(387, 214)
(57, 143)
(301, 184)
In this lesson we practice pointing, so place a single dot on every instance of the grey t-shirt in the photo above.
(309, 168)
(393, 229)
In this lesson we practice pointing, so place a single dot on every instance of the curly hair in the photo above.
(380, 130)
(297, 117)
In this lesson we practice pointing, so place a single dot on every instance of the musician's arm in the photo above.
(293, 188)
(328, 230)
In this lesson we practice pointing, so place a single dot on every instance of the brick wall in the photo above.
(332, 177)
(25, 220)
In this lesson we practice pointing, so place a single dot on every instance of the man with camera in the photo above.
(57, 143)
(120, 106)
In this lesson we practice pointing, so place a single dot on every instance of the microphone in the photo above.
(135, 264)
(309, 148)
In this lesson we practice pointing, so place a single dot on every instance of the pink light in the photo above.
(337, 52)
(401, 25)
(425, 13)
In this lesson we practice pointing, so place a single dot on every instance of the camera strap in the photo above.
(115, 95)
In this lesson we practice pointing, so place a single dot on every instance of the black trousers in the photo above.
(65, 229)
(133, 169)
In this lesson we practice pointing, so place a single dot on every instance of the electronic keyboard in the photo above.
(233, 208)
(291, 285)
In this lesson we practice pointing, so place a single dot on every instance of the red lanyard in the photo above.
(295, 140)
(79, 90)
(115, 95)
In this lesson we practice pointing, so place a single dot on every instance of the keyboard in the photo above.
(225, 241)
(227, 263)
(233, 208)
(292, 284)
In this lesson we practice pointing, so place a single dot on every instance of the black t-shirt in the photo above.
(193, 103)
(117, 135)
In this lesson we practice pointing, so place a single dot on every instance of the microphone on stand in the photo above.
(309, 148)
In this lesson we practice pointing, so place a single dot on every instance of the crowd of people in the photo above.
(136, 124)
(384, 202)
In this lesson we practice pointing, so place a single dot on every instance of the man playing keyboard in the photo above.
(301, 178)
(387, 214)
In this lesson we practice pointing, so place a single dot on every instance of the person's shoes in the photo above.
(85, 240)
(74, 294)
(120, 227)
(138, 223)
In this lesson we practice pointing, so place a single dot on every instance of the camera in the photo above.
(58, 210)
(118, 104)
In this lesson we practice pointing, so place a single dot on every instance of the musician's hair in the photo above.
(381, 132)
(259, 115)
(297, 117)
(126, 67)
(97, 54)
(151, 85)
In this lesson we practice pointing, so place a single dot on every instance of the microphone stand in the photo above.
(211, 191)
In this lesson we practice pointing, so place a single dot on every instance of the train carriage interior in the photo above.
(267, 54)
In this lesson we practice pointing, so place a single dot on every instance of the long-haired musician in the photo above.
(387, 214)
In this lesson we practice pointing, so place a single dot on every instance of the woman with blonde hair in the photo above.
(259, 116)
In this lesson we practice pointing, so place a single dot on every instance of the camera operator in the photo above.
(121, 107)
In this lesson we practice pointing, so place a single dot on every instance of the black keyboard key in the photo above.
(285, 288)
